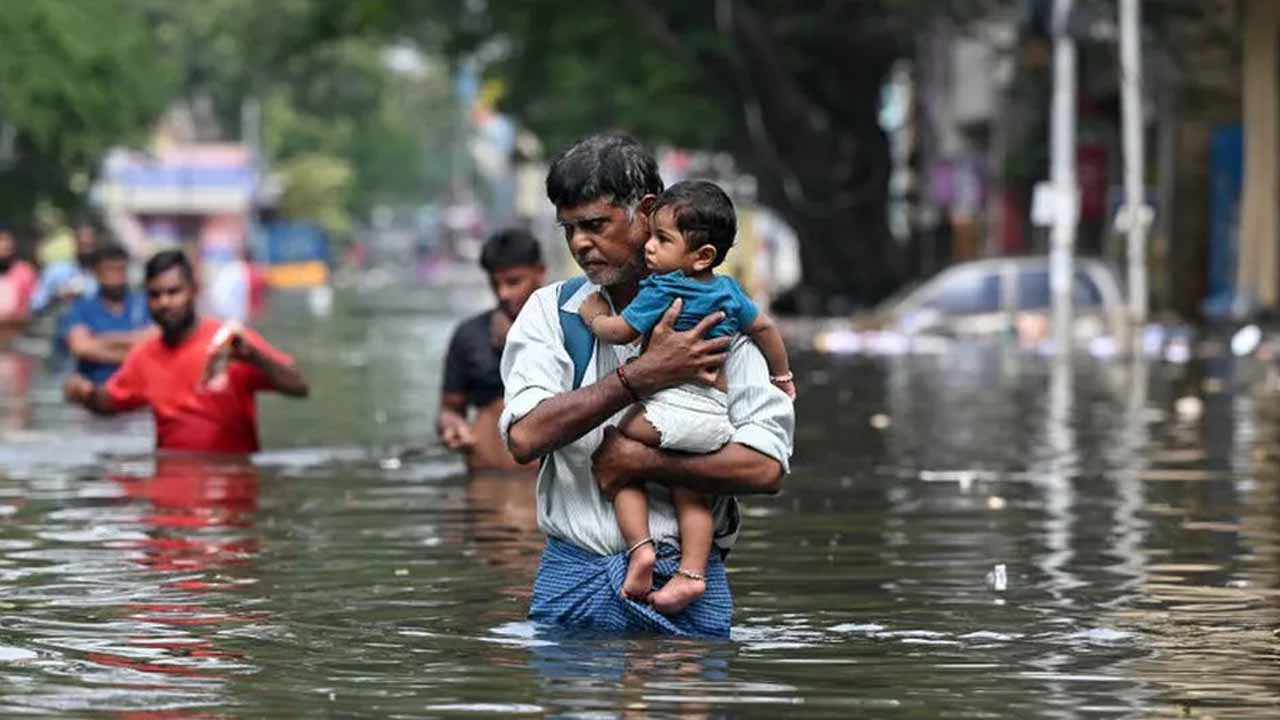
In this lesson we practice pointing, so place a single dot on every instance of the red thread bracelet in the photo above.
(622, 376)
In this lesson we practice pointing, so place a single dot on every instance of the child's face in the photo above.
(666, 251)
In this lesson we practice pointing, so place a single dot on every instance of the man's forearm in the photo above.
(100, 351)
(560, 420)
(286, 379)
(125, 338)
(734, 469)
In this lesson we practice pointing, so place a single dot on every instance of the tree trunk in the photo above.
(846, 249)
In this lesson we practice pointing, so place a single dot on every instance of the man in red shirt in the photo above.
(168, 372)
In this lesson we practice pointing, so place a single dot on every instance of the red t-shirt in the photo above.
(221, 417)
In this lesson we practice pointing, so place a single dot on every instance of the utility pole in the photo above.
(1063, 176)
(1136, 216)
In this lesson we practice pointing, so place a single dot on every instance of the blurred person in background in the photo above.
(17, 284)
(65, 278)
(101, 328)
(513, 260)
(227, 285)
(259, 284)
(199, 376)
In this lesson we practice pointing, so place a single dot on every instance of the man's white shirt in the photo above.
(536, 366)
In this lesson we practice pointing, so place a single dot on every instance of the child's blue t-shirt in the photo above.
(657, 292)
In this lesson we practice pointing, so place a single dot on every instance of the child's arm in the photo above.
(765, 333)
(605, 325)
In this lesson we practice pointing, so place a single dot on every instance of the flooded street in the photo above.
(353, 569)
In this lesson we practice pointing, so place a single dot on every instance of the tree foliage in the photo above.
(75, 78)
(792, 90)
(326, 91)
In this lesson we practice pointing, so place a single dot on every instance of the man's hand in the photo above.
(788, 387)
(676, 357)
(618, 462)
(594, 306)
(499, 326)
(456, 434)
(232, 342)
(77, 389)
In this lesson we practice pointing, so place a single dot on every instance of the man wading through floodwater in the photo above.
(565, 391)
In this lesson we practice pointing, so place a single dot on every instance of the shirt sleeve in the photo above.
(455, 367)
(535, 365)
(747, 310)
(127, 386)
(763, 417)
(643, 313)
(49, 280)
(252, 377)
(75, 315)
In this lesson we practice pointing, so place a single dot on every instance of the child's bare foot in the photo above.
(639, 581)
(679, 592)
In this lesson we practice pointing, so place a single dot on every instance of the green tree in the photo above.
(75, 78)
(325, 89)
(792, 90)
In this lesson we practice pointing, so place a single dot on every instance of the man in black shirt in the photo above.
(513, 260)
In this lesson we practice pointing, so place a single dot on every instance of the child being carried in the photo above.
(692, 228)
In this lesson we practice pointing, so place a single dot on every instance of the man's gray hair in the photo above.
(606, 166)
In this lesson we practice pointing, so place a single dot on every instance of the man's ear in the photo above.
(704, 257)
(646, 204)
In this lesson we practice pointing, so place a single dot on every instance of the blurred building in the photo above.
(1211, 106)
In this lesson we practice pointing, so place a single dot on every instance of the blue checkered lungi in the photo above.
(578, 588)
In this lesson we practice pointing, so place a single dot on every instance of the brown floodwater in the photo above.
(353, 569)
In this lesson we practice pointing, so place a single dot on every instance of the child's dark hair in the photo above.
(703, 214)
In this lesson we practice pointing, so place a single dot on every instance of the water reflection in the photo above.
(198, 522)
(16, 372)
(502, 524)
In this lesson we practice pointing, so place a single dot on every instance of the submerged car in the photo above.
(1004, 296)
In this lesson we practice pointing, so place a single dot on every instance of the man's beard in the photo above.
(113, 293)
(6, 263)
(611, 276)
(85, 259)
(171, 334)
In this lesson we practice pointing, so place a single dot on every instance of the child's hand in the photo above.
(594, 306)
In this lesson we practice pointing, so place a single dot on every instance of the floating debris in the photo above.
(1189, 408)
(1178, 351)
(998, 578)
(1246, 340)
(995, 502)
(964, 478)
(880, 421)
